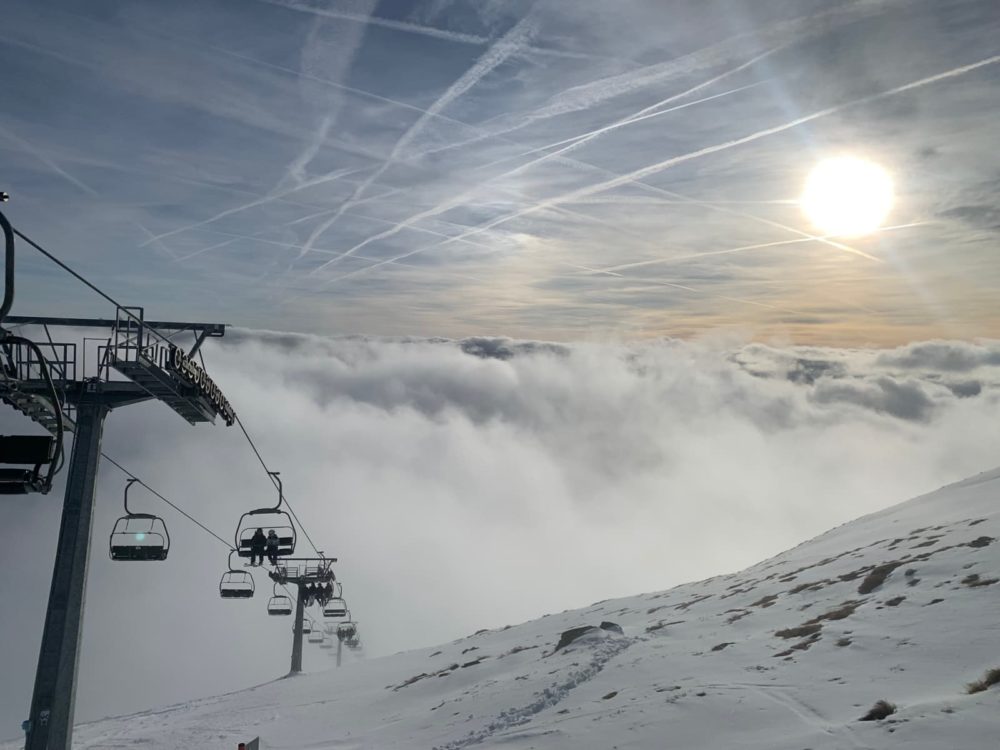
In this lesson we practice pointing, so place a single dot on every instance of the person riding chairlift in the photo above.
(322, 594)
(258, 543)
(272, 543)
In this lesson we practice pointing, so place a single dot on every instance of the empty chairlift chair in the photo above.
(316, 636)
(26, 385)
(307, 627)
(139, 536)
(236, 584)
(33, 455)
(279, 604)
(335, 608)
(267, 519)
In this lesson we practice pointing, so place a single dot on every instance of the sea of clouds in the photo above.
(475, 483)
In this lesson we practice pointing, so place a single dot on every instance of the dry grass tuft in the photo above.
(988, 680)
(879, 711)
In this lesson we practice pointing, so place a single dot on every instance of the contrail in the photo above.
(339, 86)
(584, 137)
(498, 53)
(443, 207)
(47, 162)
(388, 23)
(683, 287)
(430, 31)
(639, 200)
(331, 177)
(297, 169)
(587, 95)
(296, 245)
(577, 140)
(162, 245)
(652, 110)
(292, 223)
(319, 180)
(653, 169)
(760, 220)
(673, 161)
(780, 36)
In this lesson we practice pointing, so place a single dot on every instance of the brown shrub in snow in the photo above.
(879, 711)
(992, 677)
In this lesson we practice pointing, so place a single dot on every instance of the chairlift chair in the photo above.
(36, 452)
(316, 636)
(279, 604)
(307, 627)
(266, 519)
(139, 536)
(335, 608)
(236, 584)
(347, 630)
(38, 457)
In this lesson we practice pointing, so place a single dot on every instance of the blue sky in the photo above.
(557, 170)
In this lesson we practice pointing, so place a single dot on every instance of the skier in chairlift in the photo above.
(272, 547)
(258, 543)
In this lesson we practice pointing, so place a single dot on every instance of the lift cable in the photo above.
(246, 434)
(275, 483)
(63, 266)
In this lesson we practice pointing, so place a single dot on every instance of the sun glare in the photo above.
(847, 197)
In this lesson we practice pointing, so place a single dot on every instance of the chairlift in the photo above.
(347, 630)
(316, 636)
(266, 519)
(335, 608)
(38, 457)
(307, 627)
(236, 584)
(279, 604)
(139, 536)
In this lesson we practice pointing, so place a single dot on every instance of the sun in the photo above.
(846, 196)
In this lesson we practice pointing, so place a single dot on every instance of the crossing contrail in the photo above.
(658, 167)
(497, 54)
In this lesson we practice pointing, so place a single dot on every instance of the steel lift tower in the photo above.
(302, 571)
(134, 362)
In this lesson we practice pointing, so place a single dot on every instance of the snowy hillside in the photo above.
(902, 605)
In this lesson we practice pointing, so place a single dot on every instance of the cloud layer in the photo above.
(473, 483)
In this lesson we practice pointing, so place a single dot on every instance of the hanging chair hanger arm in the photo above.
(276, 478)
(128, 486)
(8, 278)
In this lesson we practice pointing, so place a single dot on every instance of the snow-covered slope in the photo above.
(903, 605)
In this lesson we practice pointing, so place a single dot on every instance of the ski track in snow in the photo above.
(548, 698)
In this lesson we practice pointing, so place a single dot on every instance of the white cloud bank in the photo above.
(476, 483)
